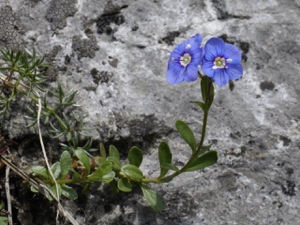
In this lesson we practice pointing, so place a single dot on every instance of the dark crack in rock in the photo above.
(11, 29)
(267, 85)
(101, 76)
(222, 12)
(141, 131)
(220, 6)
(111, 14)
(169, 39)
(58, 12)
(289, 188)
(85, 47)
(286, 141)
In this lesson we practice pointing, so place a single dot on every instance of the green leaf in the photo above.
(53, 189)
(132, 172)
(114, 186)
(34, 190)
(82, 156)
(104, 173)
(2, 205)
(75, 176)
(164, 156)
(124, 185)
(102, 151)
(99, 160)
(107, 178)
(116, 162)
(169, 166)
(207, 89)
(152, 198)
(3, 220)
(166, 179)
(40, 170)
(203, 161)
(106, 167)
(201, 105)
(187, 134)
(204, 149)
(56, 170)
(113, 152)
(68, 192)
(65, 164)
(135, 156)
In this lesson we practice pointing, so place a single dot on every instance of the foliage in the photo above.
(3, 219)
(22, 75)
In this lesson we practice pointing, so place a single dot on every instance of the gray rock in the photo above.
(11, 29)
(112, 52)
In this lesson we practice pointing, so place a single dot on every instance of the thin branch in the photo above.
(42, 143)
(60, 207)
(40, 186)
(10, 221)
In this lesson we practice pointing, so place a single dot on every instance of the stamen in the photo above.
(165, 49)
(229, 60)
(219, 63)
(185, 59)
(188, 46)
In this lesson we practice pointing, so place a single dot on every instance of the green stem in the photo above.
(205, 117)
(61, 122)
(204, 124)
(152, 180)
(195, 155)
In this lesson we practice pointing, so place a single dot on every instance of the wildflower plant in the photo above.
(221, 61)
(215, 62)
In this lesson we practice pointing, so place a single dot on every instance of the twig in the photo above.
(40, 186)
(43, 148)
(10, 221)
(60, 207)
(21, 86)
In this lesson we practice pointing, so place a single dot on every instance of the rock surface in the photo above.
(112, 51)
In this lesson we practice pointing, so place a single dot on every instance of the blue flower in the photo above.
(221, 61)
(184, 61)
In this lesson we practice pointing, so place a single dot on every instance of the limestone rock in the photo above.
(112, 52)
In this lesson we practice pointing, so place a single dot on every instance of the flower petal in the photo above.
(220, 77)
(213, 48)
(232, 52)
(207, 67)
(195, 50)
(202, 50)
(191, 73)
(195, 42)
(234, 71)
(175, 72)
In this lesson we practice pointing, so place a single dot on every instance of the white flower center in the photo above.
(185, 59)
(220, 62)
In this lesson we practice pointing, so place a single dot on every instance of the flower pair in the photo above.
(219, 61)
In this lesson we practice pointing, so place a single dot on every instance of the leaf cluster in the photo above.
(20, 73)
